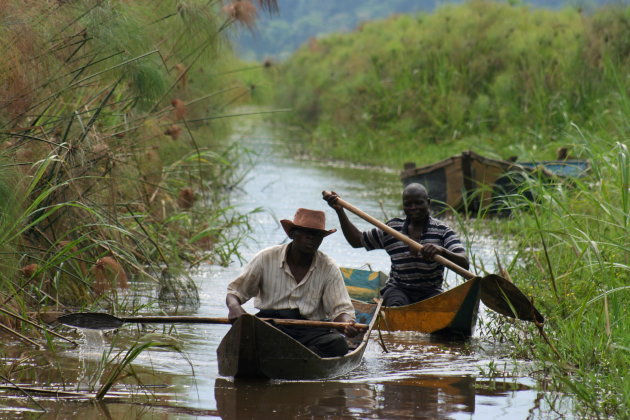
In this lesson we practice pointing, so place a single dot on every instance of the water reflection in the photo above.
(421, 377)
(429, 397)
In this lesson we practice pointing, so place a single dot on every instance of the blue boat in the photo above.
(562, 168)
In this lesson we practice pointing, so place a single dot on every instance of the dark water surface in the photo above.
(418, 378)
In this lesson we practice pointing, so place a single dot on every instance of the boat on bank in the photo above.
(471, 183)
(253, 348)
(452, 313)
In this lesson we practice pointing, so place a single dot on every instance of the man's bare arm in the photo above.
(234, 306)
(429, 251)
(349, 330)
(350, 231)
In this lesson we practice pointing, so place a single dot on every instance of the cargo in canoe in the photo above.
(470, 183)
(452, 313)
(253, 348)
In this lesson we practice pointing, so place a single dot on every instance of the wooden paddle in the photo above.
(102, 321)
(497, 293)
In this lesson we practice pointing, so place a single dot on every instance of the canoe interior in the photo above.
(256, 349)
(452, 313)
(363, 285)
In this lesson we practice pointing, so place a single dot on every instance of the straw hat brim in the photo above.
(288, 225)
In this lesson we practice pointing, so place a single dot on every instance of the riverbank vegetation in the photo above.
(499, 79)
(113, 167)
(502, 80)
(278, 35)
(573, 260)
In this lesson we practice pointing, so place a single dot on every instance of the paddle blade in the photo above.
(504, 297)
(91, 320)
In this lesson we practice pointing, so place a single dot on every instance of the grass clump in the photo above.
(503, 80)
(113, 165)
(572, 258)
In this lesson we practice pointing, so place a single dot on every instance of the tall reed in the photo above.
(573, 260)
(106, 122)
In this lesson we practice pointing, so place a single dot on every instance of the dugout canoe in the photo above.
(253, 348)
(471, 183)
(452, 313)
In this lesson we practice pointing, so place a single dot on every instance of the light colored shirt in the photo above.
(320, 295)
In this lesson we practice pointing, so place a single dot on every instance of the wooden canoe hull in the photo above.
(462, 182)
(453, 312)
(253, 348)
(469, 182)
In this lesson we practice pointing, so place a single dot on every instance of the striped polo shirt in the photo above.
(409, 271)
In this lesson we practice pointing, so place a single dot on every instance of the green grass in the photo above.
(571, 257)
(499, 79)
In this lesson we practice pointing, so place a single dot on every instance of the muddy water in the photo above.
(418, 378)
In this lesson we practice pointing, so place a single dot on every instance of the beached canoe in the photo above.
(452, 313)
(254, 348)
(469, 182)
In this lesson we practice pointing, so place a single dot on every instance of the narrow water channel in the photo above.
(419, 377)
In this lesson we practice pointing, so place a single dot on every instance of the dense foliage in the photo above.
(278, 35)
(503, 80)
(113, 168)
(572, 253)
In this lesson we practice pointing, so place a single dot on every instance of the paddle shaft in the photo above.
(206, 320)
(412, 244)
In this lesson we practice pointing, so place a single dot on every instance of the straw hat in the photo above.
(309, 219)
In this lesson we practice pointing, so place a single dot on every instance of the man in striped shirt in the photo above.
(413, 277)
(297, 281)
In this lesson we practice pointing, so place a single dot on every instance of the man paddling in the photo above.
(297, 281)
(412, 277)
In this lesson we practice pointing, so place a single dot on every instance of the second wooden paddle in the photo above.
(103, 321)
(497, 293)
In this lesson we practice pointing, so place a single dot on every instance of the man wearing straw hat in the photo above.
(297, 281)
